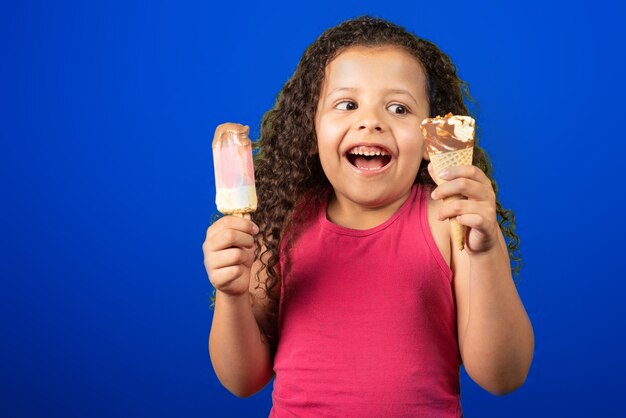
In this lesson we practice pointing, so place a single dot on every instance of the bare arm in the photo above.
(495, 335)
(239, 354)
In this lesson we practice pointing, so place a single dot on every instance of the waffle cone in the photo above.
(441, 162)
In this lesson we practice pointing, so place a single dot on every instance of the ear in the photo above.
(425, 155)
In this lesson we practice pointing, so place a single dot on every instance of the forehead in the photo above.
(378, 65)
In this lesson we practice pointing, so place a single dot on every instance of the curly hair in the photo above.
(288, 168)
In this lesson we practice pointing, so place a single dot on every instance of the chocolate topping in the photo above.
(234, 132)
(448, 133)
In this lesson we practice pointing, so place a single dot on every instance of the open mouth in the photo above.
(368, 157)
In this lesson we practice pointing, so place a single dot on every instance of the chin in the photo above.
(371, 197)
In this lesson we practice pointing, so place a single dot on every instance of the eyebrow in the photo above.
(399, 91)
(336, 89)
(350, 89)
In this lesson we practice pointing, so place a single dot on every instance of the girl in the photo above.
(345, 285)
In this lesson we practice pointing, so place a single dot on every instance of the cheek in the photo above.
(413, 147)
(326, 153)
(412, 140)
(328, 134)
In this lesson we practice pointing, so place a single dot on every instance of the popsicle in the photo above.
(234, 171)
(449, 141)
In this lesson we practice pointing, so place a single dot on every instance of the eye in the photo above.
(346, 105)
(398, 109)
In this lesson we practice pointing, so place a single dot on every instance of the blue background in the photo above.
(107, 114)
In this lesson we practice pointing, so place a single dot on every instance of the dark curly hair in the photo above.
(288, 169)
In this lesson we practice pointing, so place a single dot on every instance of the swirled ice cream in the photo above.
(448, 133)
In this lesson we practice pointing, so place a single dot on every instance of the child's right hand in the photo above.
(229, 254)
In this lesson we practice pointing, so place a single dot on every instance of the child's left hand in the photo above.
(477, 213)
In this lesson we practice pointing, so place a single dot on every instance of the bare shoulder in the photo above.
(440, 230)
(458, 262)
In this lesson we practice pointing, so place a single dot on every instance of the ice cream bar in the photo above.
(234, 171)
(449, 141)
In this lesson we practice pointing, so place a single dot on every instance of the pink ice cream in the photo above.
(234, 170)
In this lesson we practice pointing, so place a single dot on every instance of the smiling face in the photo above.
(368, 127)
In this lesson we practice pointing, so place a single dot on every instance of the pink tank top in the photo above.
(367, 322)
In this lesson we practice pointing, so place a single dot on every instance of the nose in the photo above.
(370, 120)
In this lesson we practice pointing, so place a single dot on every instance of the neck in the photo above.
(348, 214)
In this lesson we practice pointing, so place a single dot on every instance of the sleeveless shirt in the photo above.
(367, 321)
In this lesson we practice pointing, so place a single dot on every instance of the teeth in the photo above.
(367, 151)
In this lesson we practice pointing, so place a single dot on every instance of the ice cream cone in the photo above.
(441, 162)
(449, 141)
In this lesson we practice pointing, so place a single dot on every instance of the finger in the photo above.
(222, 238)
(464, 186)
(488, 230)
(221, 278)
(467, 171)
(472, 220)
(466, 207)
(229, 257)
(234, 222)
